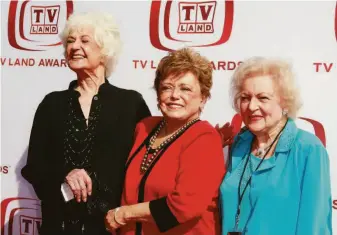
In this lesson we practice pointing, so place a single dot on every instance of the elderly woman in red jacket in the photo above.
(176, 164)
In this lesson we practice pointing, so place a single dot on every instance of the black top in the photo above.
(119, 112)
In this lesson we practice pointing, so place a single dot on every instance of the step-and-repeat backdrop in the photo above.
(227, 32)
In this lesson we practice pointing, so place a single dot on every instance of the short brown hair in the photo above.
(183, 61)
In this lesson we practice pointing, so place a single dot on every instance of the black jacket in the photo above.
(120, 112)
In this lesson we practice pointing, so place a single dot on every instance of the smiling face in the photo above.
(180, 97)
(82, 51)
(260, 104)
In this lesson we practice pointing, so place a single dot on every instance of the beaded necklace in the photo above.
(146, 162)
(80, 138)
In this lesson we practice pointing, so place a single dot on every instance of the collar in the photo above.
(286, 139)
(101, 89)
(245, 138)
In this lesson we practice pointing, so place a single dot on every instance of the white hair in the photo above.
(282, 75)
(106, 34)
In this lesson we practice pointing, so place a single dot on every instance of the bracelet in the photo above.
(119, 223)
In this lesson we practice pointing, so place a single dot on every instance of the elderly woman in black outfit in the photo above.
(83, 135)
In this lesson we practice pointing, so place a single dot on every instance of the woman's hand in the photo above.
(80, 183)
(115, 218)
(226, 133)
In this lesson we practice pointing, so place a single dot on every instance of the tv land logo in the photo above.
(44, 19)
(196, 17)
(174, 24)
(35, 25)
(20, 216)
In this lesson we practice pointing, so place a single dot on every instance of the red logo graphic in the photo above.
(20, 216)
(196, 17)
(174, 24)
(44, 19)
(35, 27)
(317, 126)
(29, 225)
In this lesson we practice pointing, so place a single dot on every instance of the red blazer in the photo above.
(182, 187)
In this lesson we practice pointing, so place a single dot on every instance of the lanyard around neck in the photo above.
(240, 195)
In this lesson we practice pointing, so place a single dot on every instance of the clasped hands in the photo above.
(80, 183)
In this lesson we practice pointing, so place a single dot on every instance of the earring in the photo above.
(158, 106)
(200, 109)
(284, 112)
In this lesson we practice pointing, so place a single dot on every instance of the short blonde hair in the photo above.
(182, 61)
(282, 75)
(106, 34)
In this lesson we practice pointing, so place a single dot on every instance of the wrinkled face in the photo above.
(180, 97)
(259, 104)
(82, 51)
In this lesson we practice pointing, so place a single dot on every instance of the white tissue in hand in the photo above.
(67, 192)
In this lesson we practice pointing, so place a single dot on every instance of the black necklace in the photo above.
(240, 195)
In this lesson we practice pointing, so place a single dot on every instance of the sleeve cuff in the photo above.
(162, 215)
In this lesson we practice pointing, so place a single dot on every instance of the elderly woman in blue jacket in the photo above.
(278, 178)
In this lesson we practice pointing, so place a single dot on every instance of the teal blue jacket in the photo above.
(289, 194)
